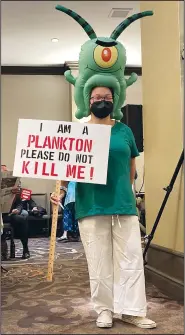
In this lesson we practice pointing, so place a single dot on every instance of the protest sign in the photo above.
(26, 194)
(62, 151)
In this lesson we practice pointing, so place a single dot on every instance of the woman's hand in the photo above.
(15, 211)
(35, 209)
(56, 200)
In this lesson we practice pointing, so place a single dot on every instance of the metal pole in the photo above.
(168, 190)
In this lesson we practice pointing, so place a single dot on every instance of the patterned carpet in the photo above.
(31, 305)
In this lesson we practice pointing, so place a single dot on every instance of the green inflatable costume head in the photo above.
(102, 62)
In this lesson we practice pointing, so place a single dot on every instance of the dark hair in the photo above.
(112, 91)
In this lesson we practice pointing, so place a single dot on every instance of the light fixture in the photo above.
(54, 40)
(120, 12)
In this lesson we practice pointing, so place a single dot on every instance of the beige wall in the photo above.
(162, 103)
(134, 96)
(31, 97)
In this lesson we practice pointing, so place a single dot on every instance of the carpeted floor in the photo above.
(31, 305)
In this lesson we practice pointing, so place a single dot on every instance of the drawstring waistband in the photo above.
(117, 217)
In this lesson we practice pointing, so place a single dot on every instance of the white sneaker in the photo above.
(104, 320)
(62, 238)
(139, 321)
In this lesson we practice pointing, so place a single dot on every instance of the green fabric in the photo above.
(115, 198)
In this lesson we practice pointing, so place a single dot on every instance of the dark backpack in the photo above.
(39, 213)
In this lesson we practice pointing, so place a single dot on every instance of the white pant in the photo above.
(114, 256)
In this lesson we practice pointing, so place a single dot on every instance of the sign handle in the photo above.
(53, 235)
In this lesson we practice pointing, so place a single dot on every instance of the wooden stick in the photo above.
(53, 235)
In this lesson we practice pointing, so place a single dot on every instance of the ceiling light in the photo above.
(120, 12)
(54, 40)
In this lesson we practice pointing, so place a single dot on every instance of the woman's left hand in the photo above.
(56, 200)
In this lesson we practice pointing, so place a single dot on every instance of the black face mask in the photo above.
(102, 109)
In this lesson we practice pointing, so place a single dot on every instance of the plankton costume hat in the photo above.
(102, 62)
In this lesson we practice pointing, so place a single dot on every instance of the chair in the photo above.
(8, 232)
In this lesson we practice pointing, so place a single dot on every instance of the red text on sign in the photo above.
(75, 171)
(60, 143)
(43, 167)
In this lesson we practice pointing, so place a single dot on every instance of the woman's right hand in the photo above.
(56, 200)
(15, 211)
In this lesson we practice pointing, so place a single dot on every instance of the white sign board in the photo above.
(62, 151)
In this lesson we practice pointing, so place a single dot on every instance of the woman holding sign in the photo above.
(107, 214)
(109, 225)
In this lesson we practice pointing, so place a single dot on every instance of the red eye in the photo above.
(106, 54)
(105, 57)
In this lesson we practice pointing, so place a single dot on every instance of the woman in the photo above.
(109, 226)
(70, 224)
(18, 217)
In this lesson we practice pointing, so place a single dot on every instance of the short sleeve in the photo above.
(133, 146)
